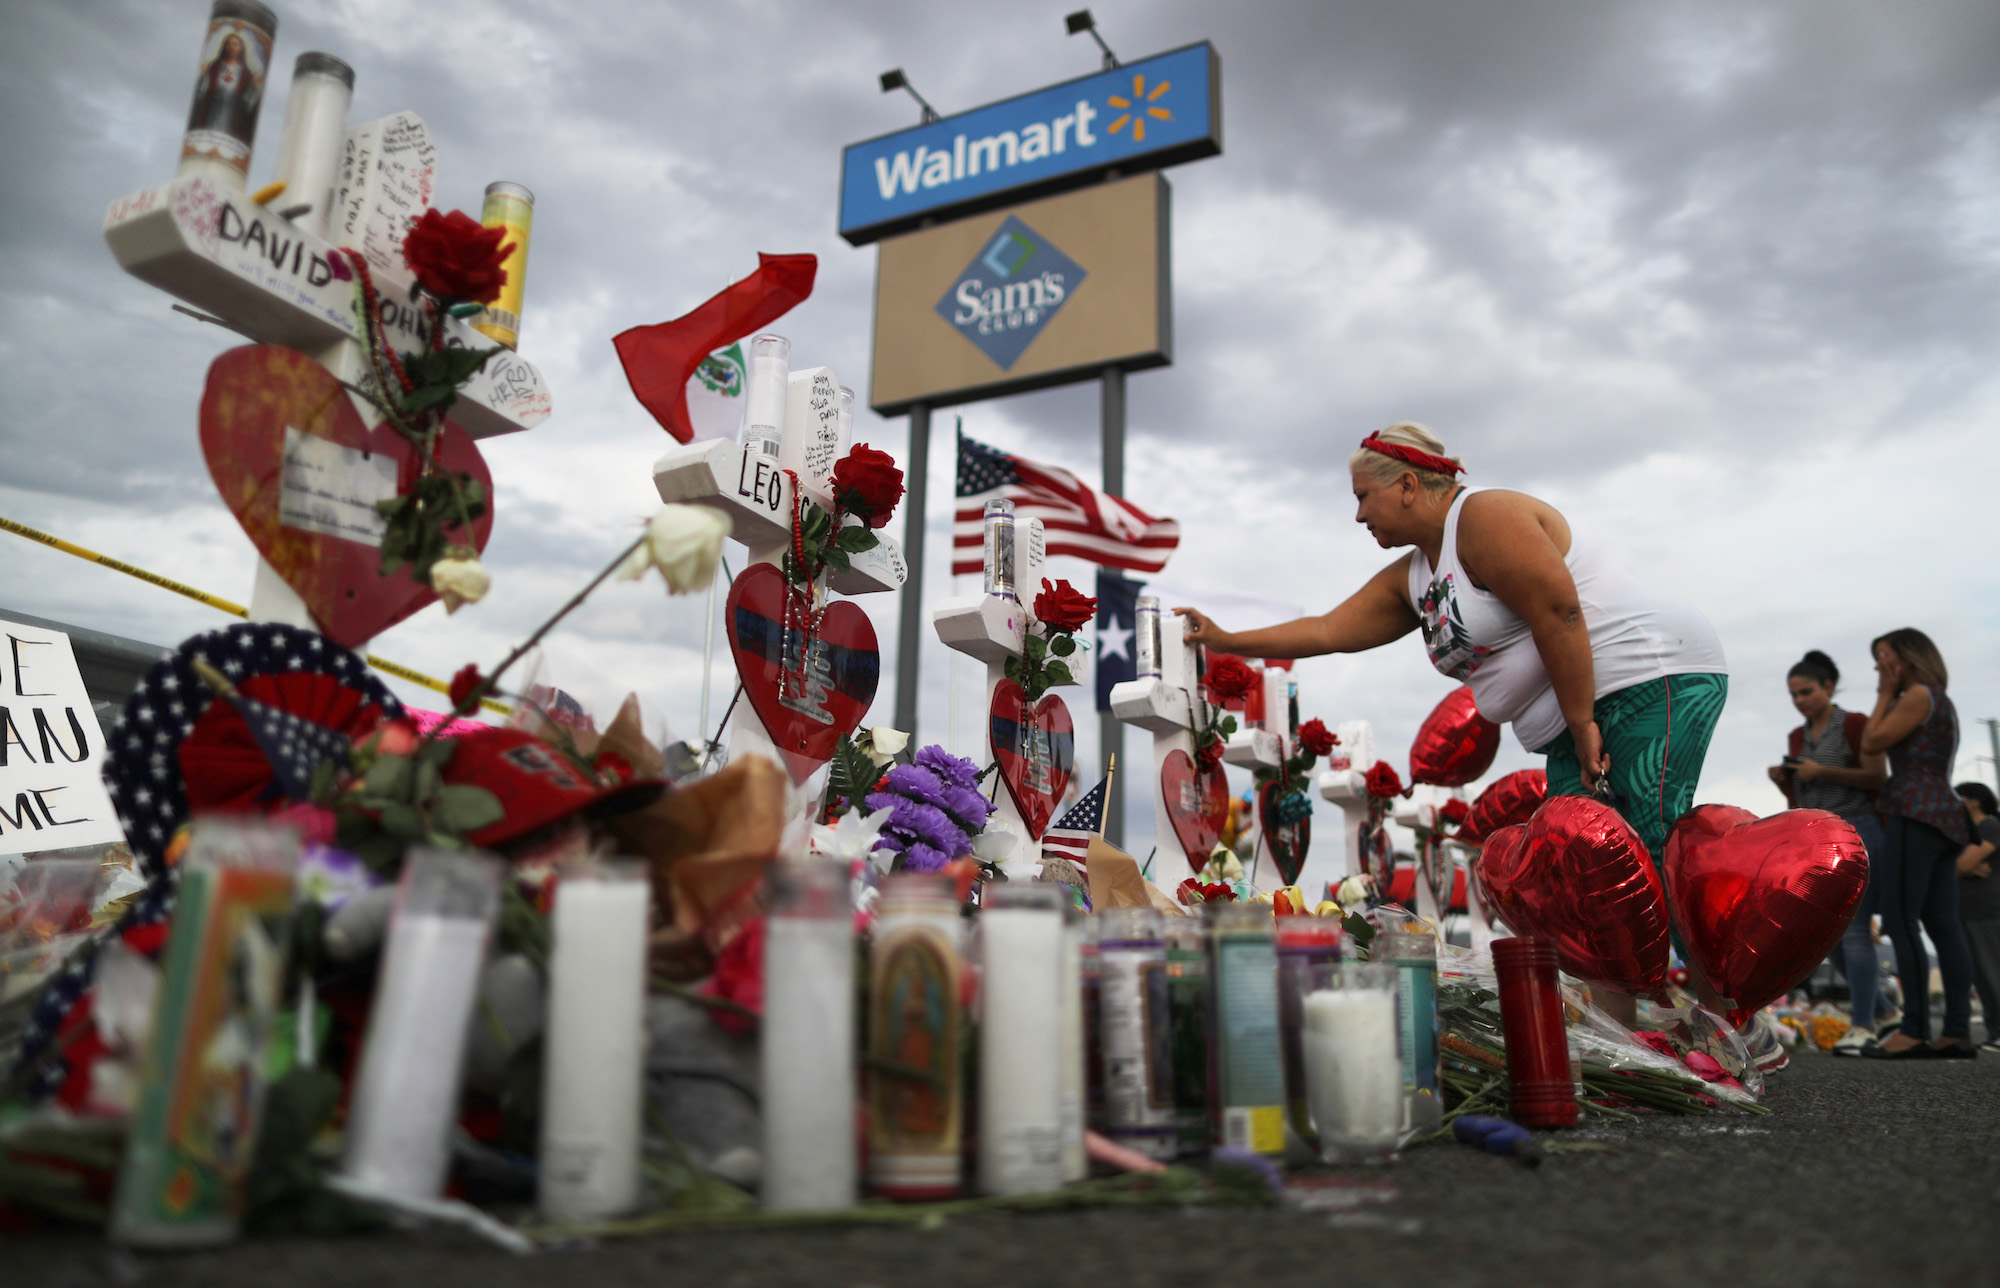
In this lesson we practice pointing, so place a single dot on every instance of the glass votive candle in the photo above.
(1354, 1073)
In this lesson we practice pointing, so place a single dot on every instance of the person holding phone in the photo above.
(1825, 768)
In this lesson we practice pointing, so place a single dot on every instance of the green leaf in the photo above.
(439, 752)
(464, 808)
(836, 558)
(1228, 727)
(1058, 673)
(428, 397)
(1035, 649)
(1062, 646)
(428, 780)
(404, 821)
(856, 540)
(390, 776)
(1012, 669)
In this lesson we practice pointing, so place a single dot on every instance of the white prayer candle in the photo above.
(593, 1054)
(1354, 1075)
(808, 1043)
(315, 137)
(1021, 1039)
(766, 389)
(1075, 1073)
(406, 1097)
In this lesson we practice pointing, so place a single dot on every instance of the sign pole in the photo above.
(1110, 729)
(909, 636)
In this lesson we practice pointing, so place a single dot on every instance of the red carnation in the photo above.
(465, 683)
(867, 484)
(1209, 754)
(1454, 812)
(456, 258)
(1061, 608)
(1229, 678)
(1316, 738)
(1383, 780)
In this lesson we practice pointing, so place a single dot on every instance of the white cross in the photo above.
(1168, 707)
(991, 628)
(275, 281)
(1265, 741)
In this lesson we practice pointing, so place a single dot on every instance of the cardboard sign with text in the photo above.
(52, 796)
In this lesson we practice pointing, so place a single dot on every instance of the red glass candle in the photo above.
(1531, 1013)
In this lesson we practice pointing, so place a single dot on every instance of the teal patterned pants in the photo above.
(1657, 735)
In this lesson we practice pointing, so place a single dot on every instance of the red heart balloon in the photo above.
(1036, 749)
(1505, 802)
(1580, 877)
(1197, 805)
(1760, 902)
(1455, 744)
(1288, 842)
(810, 683)
(337, 467)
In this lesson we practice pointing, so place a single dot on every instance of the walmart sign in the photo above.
(1142, 116)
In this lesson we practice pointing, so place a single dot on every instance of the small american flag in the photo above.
(1077, 519)
(1069, 836)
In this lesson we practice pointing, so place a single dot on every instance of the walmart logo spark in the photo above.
(1137, 108)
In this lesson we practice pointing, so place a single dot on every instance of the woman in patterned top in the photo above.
(1824, 768)
(1923, 831)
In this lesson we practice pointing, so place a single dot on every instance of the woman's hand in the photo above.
(1809, 771)
(1778, 773)
(1590, 754)
(1891, 680)
(1203, 631)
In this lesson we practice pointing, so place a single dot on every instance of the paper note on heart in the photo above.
(1288, 842)
(1036, 748)
(1197, 803)
(301, 472)
(810, 684)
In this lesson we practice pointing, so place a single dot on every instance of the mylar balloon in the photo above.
(1455, 744)
(1580, 877)
(1761, 901)
(1511, 799)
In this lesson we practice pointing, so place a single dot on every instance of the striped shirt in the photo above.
(1832, 750)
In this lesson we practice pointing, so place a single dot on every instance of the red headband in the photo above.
(1412, 456)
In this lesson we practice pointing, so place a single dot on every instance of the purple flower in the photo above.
(965, 805)
(922, 858)
(1251, 1166)
(951, 768)
(915, 783)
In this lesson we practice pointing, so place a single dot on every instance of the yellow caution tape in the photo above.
(234, 610)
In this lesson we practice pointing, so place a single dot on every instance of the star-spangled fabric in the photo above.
(143, 774)
(1077, 519)
(294, 745)
(1069, 836)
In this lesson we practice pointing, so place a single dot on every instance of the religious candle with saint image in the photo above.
(1248, 1070)
(229, 92)
(916, 1016)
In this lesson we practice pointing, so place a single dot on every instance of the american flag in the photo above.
(1069, 836)
(1077, 519)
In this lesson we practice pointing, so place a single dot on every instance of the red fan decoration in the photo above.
(225, 770)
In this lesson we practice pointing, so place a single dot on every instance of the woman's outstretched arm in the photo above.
(1376, 614)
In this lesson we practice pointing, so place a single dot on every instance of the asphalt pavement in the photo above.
(1862, 1173)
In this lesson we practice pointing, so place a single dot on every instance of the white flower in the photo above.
(994, 847)
(883, 744)
(684, 542)
(1353, 891)
(460, 580)
(852, 836)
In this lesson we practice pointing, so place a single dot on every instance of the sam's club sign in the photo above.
(1144, 115)
(1010, 291)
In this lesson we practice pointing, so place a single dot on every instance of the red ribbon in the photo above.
(1412, 456)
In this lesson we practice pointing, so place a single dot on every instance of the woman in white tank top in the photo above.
(1602, 675)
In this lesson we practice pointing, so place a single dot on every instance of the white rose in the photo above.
(460, 581)
(684, 542)
(884, 744)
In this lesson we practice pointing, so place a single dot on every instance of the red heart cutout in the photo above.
(810, 684)
(1760, 902)
(1288, 842)
(1036, 749)
(1509, 800)
(1197, 805)
(254, 394)
(1455, 744)
(1580, 877)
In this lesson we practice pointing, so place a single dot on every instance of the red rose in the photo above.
(1061, 608)
(1454, 812)
(867, 484)
(739, 978)
(1383, 781)
(455, 258)
(464, 683)
(1209, 754)
(1216, 892)
(1229, 678)
(613, 769)
(1316, 738)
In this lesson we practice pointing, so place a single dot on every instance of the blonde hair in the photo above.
(1385, 470)
(1918, 653)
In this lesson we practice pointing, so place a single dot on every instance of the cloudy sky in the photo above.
(1719, 280)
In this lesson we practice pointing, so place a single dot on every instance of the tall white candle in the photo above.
(808, 1046)
(315, 137)
(1075, 1074)
(406, 1098)
(1021, 1040)
(593, 1053)
(1354, 1075)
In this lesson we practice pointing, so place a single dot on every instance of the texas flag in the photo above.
(1117, 611)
